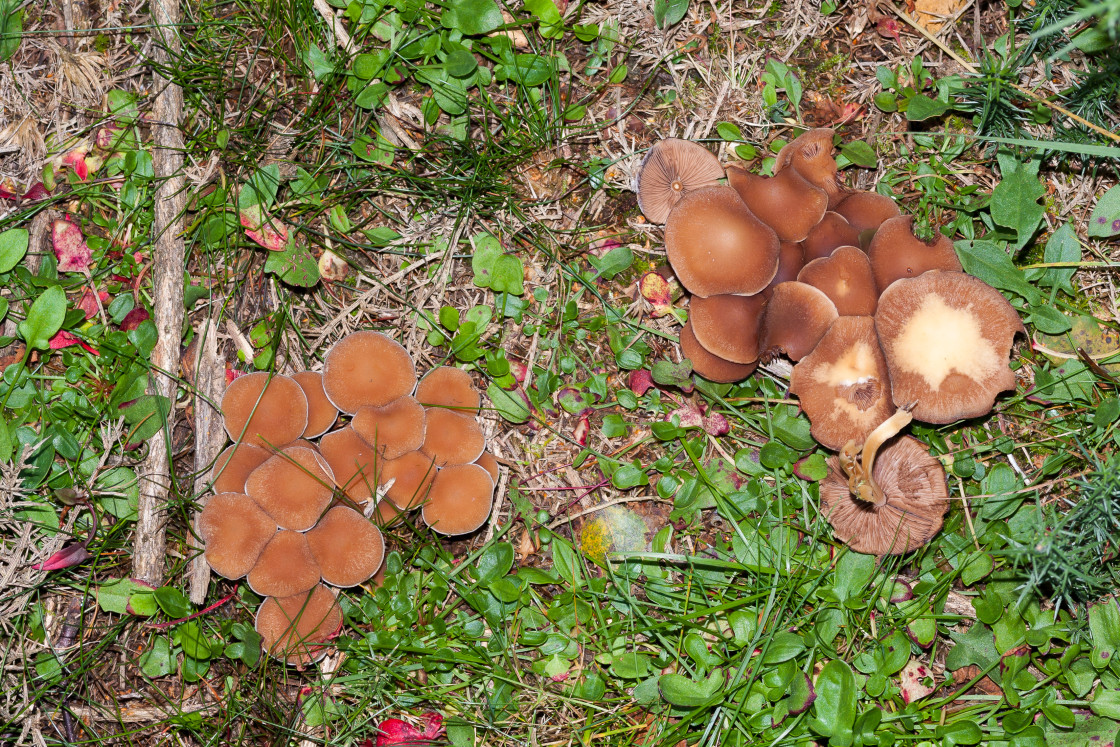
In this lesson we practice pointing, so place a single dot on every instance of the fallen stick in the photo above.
(209, 435)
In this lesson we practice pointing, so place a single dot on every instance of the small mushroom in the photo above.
(450, 388)
(294, 487)
(727, 326)
(367, 368)
(393, 430)
(786, 201)
(295, 628)
(947, 339)
(285, 567)
(915, 499)
(717, 246)
(831, 233)
(866, 211)
(810, 155)
(460, 499)
(264, 410)
(452, 438)
(411, 476)
(490, 464)
(347, 546)
(895, 252)
(235, 531)
(708, 364)
(845, 277)
(355, 463)
(796, 318)
(843, 385)
(321, 414)
(671, 169)
(232, 467)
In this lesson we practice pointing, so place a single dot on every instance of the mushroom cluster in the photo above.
(883, 326)
(296, 517)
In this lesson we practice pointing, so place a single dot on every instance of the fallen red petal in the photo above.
(70, 247)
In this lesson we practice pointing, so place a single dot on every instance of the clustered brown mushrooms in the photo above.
(295, 517)
(883, 327)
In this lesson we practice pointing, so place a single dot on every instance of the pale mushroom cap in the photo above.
(709, 365)
(294, 487)
(831, 233)
(269, 410)
(232, 467)
(490, 464)
(294, 628)
(796, 318)
(285, 567)
(843, 385)
(235, 530)
(671, 169)
(810, 155)
(786, 202)
(412, 476)
(866, 211)
(895, 252)
(460, 499)
(451, 388)
(355, 464)
(917, 499)
(845, 277)
(727, 326)
(347, 546)
(367, 368)
(947, 339)
(321, 413)
(717, 246)
(452, 438)
(395, 429)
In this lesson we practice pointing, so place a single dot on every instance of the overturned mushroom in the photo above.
(671, 169)
(947, 339)
(717, 246)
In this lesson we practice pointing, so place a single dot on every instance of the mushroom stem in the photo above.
(858, 462)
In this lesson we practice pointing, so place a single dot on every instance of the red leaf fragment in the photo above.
(88, 302)
(70, 247)
(65, 339)
(134, 318)
(640, 381)
(656, 290)
(71, 555)
(76, 160)
(911, 681)
(398, 733)
(264, 229)
(889, 27)
(36, 192)
(583, 427)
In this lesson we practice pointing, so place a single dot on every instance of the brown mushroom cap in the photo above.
(791, 258)
(269, 410)
(450, 388)
(947, 338)
(355, 464)
(412, 476)
(709, 365)
(786, 201)
(321, 414)
(866, 211)
(833, 232)
(460, 499)
(490, 464)
(367, 368)
(727, 326)
(347, 546)
(235, 530)
(294, 487)
(717, 246)
(845, 277)
(843, 384)
(452, 438)
(810, 155)
(232, 467)
(294, 628)
(671, 169)
(917, 499)
(395, 429)
(286, 566)
(796, 318)
(895, 252)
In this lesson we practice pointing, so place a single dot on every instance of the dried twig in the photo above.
(209, 435)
